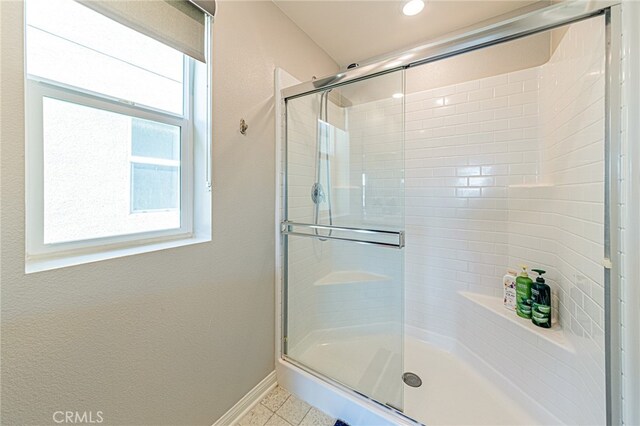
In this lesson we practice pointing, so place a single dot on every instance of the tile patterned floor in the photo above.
(280, 408)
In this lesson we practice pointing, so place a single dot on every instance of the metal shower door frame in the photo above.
(514, 28)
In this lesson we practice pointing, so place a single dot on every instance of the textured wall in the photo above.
(170, 337)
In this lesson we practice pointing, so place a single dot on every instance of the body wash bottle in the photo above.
(541, 298)
(509, 290)
(523, 294)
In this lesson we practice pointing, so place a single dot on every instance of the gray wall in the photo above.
(171, 337)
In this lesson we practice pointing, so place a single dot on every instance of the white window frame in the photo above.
(38, 88)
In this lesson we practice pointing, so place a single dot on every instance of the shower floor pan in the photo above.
(452, 391)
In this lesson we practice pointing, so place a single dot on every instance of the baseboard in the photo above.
(253, 397)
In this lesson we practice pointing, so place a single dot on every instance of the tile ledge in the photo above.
(554, 335)
(532, 185)
(350, 277)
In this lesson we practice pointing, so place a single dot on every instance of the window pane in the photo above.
(71, 44)
(156, 140)
(154, 187)
(88, 176)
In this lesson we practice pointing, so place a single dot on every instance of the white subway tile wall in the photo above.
(573, 161)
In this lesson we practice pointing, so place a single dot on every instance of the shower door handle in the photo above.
(378, 237)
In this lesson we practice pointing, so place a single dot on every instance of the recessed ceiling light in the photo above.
(413, 7)
(397, 95)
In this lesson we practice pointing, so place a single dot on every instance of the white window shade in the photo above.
(179, 24)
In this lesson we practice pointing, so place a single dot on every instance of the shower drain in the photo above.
(412, 380)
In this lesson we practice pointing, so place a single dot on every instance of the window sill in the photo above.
(47, 263)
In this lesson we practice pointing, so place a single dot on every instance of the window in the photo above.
(155, 167)
(113, 120)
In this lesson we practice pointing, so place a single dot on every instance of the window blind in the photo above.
(179, 24)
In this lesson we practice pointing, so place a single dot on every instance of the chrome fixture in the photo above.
(412, 379)
(318, 193)
(243, 127)
(379, 237)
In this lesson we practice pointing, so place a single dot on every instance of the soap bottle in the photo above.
(523, 294)
(541, 301)
(509, 290)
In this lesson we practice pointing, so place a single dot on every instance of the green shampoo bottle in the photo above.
(523, 294)
(541, 301)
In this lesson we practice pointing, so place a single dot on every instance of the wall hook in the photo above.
(243, 126)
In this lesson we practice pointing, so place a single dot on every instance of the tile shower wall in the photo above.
(502, 171)
(573, 162)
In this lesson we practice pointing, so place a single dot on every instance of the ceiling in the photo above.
(354, 30)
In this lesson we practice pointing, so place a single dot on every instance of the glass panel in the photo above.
(345, 314)
(349, 153)
(154, 187)
(88, 176)
(345, 299)
(71, 44)
(155, 140)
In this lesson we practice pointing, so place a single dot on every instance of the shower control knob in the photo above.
(317, 193)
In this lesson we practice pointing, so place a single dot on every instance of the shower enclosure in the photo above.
(484, 152)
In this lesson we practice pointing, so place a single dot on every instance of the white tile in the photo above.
(276, 420)
(511, 112)
(445, 110)
(468, 171)
(467, 107)
(293, 410)
(258, 416)
(455, 119)
(274, 399)
(316, 417)
(508, 89)
(481, 94)
(456, 99)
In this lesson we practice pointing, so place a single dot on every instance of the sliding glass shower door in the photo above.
(344, 235)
